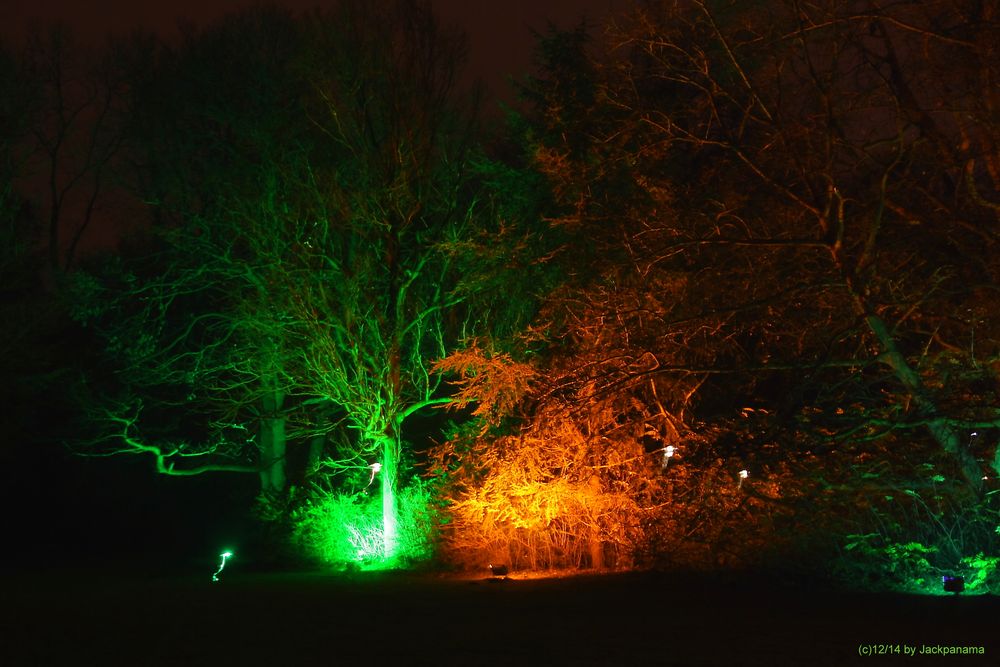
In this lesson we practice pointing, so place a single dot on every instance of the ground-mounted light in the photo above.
(743, 475)
(953, 584)
(225, 555)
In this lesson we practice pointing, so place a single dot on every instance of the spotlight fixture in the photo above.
(953, 584)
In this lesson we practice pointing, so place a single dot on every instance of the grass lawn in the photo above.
(94, 618)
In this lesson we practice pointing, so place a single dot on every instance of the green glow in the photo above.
(979, 571)
(390, 523)
(348, 530)
(225, 556)
(932, 584)
(367, 542)
(874, 563)
(389, 472)
(913, 567)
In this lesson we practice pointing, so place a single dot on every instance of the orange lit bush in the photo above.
(584, 481)
(554, 498)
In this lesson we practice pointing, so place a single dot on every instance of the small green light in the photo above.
(225, 555)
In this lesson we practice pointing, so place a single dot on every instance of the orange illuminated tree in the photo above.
(568, 463)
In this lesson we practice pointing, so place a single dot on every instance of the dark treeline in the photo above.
(721, 292)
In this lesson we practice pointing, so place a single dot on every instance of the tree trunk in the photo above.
(946, 435)
(596, 550)
(390, 510)
(596, 545)
(272, 444)
(317, 444)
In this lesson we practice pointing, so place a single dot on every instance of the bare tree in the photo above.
(862, 220)
(77, 132)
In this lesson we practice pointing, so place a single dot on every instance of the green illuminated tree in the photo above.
(374, 289)
(191, 320)
(311, 187)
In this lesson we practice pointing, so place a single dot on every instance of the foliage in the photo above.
(983, 572)
(916, 541)
(494, 380)
(584, 480)
(553, 499)
(835, 267)
(757, 236)
(893, 566)
(306, 176)
(813, 297)
(576, 479)
(339, 529)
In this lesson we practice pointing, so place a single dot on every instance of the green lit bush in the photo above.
(345, 530)
(983, 574)
(872, 563)
(921, 541)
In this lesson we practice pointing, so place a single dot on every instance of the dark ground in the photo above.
(62, 603)
(117, 618)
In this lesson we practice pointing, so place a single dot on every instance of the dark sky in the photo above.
(499, 33)
(499, 30)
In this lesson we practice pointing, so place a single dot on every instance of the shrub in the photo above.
(918, 540)
(342, 529)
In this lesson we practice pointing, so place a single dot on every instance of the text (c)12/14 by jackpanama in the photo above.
(875, 650)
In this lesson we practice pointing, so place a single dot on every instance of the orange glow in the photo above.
(556, 499)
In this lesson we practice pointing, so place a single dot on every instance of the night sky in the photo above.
(500, 33)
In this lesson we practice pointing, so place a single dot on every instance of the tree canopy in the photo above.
(721, 288)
